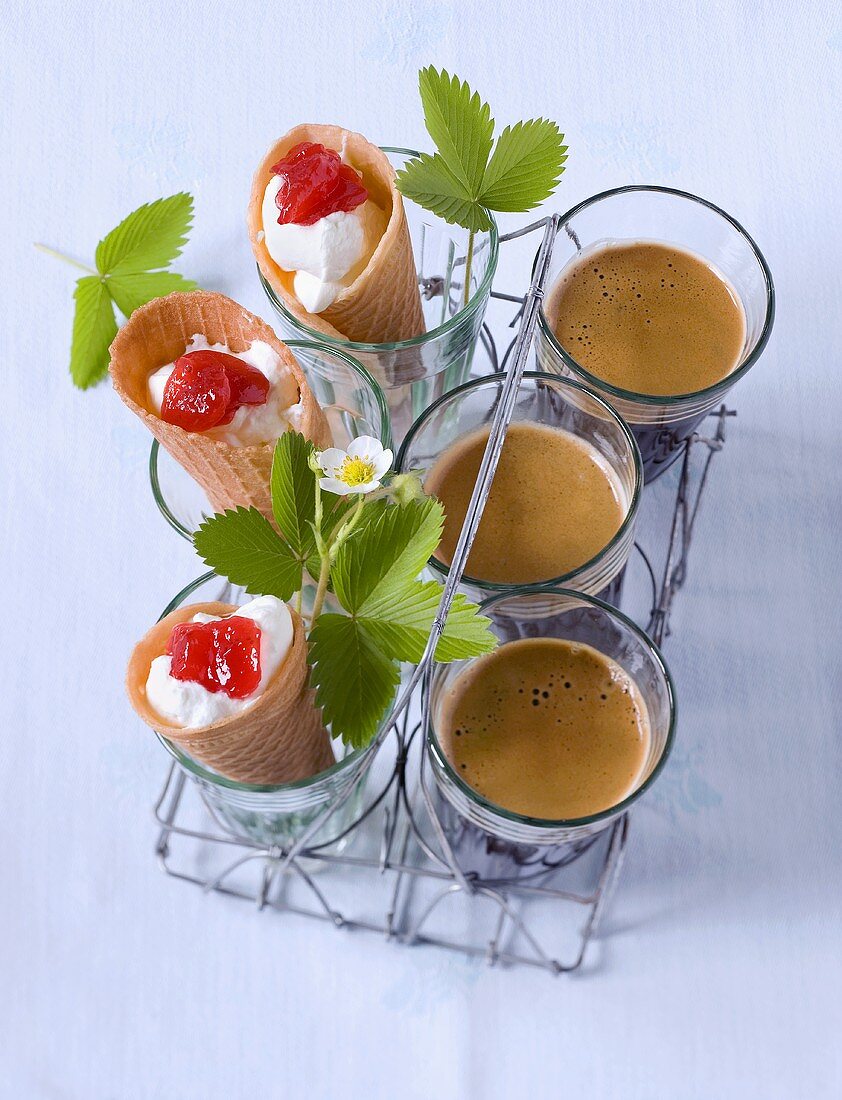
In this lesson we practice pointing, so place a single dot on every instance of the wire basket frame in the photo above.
(392, 870)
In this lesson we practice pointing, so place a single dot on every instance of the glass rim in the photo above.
(199, 770)
(474, 304)
(573, 822)
(668, 400)
(497, 587)
(305, 345)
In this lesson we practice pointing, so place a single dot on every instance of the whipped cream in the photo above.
(190, 705)
(251, 424)
(326, 256)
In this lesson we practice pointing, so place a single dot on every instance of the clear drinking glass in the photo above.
(496, 843)
(352, 402)
(278, 814)
(641, 213)
(542, 399)
(414, 373)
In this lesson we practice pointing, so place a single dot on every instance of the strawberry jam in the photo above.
(221, 656)
(206, 388)
(315, 183)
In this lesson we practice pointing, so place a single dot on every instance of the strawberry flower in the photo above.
(360, 469)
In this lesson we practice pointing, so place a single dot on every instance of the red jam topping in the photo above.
(221, 656)
(315, 183)
(206, 388)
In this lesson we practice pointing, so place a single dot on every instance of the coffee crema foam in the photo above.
(546, 728)
(648, 317)
(554, 504)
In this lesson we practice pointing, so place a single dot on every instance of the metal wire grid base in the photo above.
(399, 882)
(392, 870)
(390, 855)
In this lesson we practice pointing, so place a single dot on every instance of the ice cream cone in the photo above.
(280, 738)
(382, 304)
(157, 334)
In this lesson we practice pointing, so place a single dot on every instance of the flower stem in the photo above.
(324, 571)
(347, 527)
(469, 259)
(66, 259)
(317, 515)
(328, 551)
(321, 590)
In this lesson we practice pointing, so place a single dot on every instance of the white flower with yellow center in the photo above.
(360, 469)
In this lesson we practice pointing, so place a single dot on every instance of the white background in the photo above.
(720, 974)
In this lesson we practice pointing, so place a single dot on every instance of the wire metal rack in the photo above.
(395, 869)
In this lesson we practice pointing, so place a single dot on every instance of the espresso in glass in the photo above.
(648, 317)
(659, 301)
(546, 728)
(554, 504)
(519, 785)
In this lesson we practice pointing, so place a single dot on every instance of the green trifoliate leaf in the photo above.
(385, 555)
(94, 327)
(243, 546)
(526, 166)
(130, 292)
(459, 183)
(150, 237)
(459, 123)
(404, 621)
(428, 181)
(355, 682)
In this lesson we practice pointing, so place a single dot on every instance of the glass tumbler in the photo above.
(272, 815)
(495, 843)
(415, 372)
(543, 399)
(661, 424)
(350, 398)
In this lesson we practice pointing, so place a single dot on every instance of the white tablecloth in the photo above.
(719, 973)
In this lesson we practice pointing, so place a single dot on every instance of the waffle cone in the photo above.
(280, 738)
(158, 333)
(382, 304)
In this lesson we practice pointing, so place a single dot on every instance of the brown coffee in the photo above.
(554, 504)
(648, 317)
(546, 728)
